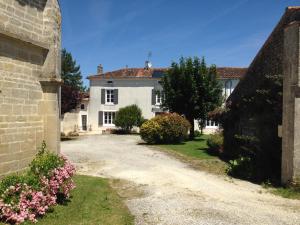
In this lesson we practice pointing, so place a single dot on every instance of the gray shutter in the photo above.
(153, 97)
(116, 96)
(103, 96)
(100, 118)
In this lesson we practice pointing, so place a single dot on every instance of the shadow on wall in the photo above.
(13, 48)
(40, 4)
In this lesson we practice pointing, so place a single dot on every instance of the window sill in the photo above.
(109, 125)
(109, 104)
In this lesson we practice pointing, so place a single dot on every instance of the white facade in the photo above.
(107, 96)
(77, 120)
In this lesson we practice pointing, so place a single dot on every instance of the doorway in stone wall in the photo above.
(84, 122)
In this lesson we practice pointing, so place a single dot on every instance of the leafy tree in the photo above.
(191, 89)
(73, 85)
(128, 117)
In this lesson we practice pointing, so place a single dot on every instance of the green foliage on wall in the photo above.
(251, 131)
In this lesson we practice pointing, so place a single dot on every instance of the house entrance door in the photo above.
(84, 122)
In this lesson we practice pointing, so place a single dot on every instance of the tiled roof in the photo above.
(132, 73)
(231, 72)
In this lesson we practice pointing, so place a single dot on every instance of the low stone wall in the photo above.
(69, 122)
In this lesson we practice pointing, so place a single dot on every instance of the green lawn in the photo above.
(197, 148)
(291, 192)
(196, 153)
(93, 202)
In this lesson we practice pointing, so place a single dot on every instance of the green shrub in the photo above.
(168, 128)
(242, 167)
(197, 133)
(128, 117)
(44, 162)
(215, 142)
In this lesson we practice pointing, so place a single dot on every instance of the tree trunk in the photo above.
(192, 129)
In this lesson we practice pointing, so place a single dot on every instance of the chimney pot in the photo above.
(100, 69)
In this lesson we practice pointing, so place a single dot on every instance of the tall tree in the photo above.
(72, 82)
(191, 89)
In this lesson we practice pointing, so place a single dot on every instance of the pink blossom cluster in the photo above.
(61, 180)
(28, 204)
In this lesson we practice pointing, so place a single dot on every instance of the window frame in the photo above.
(211, 124)
(108, 122)
(158, 96)
(109, 96)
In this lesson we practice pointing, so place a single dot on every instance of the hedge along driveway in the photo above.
(172, 192)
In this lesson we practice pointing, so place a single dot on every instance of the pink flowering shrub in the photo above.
(29, 196)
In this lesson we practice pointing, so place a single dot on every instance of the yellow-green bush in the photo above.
(215, 142)
(168, 128)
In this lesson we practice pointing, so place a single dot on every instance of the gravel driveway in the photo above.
(163, 190)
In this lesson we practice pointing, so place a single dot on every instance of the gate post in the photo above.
(290, 168)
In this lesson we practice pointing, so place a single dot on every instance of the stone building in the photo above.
(250, 115)
(30, 39)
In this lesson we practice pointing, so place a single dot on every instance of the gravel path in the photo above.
(172, 192)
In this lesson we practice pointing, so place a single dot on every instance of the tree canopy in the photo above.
(72, 87)
(70, 72)
(192, 89)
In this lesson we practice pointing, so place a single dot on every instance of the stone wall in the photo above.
(30, 34)
(291, 105)
(248, 115)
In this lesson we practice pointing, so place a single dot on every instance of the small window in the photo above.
(159, 97)
(211, 123)
(109, 96)
(109, 118)
(82, 107)
(110, 82)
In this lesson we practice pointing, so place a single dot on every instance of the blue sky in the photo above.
(117, 33)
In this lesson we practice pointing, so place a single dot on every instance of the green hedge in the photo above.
(168, 128)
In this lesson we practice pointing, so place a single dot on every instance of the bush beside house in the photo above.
(215, 143)
(168, 128)
(30, 195)
(129, 117)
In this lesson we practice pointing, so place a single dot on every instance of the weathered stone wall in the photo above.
(291, 105)
(261, 122)
(30, 33)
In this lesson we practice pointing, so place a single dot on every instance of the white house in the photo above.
(141, 86)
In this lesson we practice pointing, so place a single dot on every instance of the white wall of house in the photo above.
(72, 121)
(228, 86)
(130, 91)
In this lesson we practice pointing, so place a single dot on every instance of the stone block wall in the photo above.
(291, 105)
(263, 122)
(30, 33)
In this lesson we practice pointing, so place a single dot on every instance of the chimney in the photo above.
(148, 65)
(100, 69)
